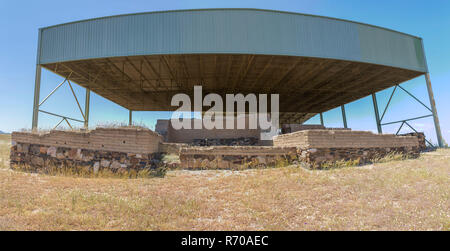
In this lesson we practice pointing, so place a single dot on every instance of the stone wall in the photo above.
(420, 136)
(41, 157)
(128, 140)
(171, 148)
(226, 142)
(316, 148)
(112, 148)
(320, 157)
(136, 148)
(228, 157)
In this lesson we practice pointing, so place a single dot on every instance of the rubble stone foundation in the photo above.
(40, 156)
(229, 157)
(117, 149)
(317, 158)
(316, 148)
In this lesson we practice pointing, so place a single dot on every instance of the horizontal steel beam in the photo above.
(395, 122)
(61, 116)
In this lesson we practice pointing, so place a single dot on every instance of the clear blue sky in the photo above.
(20, 20)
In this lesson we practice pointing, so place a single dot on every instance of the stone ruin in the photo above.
(243, 141)
(318, 147)
(117, 149)
(139, 148)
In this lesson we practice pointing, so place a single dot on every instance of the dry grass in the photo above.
(115, 125)
(5, 141)
(87, 172)
(396, 195)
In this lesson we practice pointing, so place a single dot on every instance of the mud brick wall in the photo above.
(161, 128)
(226, 142)
(128, 140)
(315, 148)
(190, 135)
(420, 136)
(41, 157)
(297, 139)
(289, 128)
(343, 139)
(229, 157)
(113, 148)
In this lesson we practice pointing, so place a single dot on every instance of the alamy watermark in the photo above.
(257, 116)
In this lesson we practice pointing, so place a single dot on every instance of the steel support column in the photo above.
(130, 118)
(321, 119)
(344, 117)
(86, 108)
(37, 92)
(434, 111)
(377, 114)
(432, 102)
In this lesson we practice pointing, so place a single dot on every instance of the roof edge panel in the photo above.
(230, 31)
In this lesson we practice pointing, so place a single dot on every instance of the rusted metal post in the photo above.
(434, 111)
(130, 118)
(344, 117)
(37, 85)
(377, 114)
(432, 102)
(86, 108)
(37, 92)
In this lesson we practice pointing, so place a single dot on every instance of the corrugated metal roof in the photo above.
(239, 31)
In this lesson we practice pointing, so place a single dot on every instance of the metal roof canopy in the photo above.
(315, 63)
